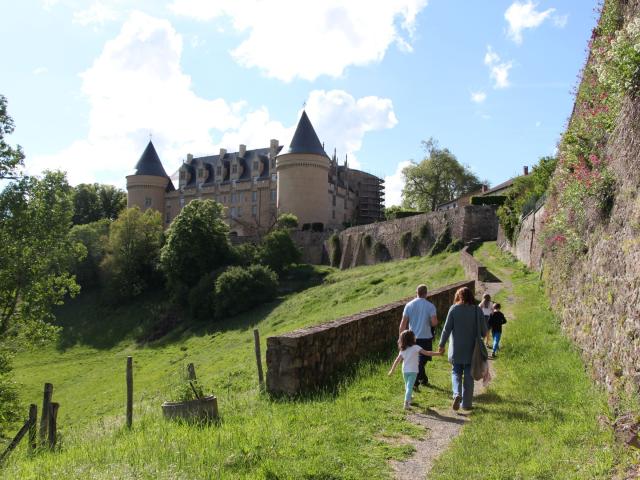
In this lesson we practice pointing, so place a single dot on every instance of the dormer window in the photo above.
(200, 172)
(219, 171)
(255, 167)
(234, 168)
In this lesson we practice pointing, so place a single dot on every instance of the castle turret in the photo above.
(303, 176)
(147, 186)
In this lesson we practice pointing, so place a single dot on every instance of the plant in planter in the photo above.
(190, 403)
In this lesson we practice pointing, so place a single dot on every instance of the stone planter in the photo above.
(205, 409)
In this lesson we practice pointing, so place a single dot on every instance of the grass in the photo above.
(326, 436)
(539, 419)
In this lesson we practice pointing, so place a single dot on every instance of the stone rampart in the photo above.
(310, 358)
(528, 247)
(472, 267)
(411, 236)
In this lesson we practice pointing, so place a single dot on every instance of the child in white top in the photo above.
(409, 356)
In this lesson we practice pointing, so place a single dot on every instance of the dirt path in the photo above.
(441, 425)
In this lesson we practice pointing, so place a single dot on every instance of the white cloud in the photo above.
(96, 15)
(498, 71)
(136, 87)
(560, 21)
(341, 121)
(290, 39)
(478, 97)
(521, 16)
(40, 70)
(393, 185)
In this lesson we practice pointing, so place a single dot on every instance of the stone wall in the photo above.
(472, 267)
(466, 223)
(312, 245)
(310, 358)
(528, 247)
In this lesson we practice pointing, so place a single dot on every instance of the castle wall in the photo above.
(146, 191)
(310, 358)
(528, 247)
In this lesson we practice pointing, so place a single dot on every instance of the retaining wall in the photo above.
(310, 358)
(528, 247)
(472, 267)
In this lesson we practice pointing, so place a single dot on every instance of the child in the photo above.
(409, 356)
(486, 307)
(496, 320)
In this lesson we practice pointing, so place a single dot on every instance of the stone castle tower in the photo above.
(147, 187)
(303, 172)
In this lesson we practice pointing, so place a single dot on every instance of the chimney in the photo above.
(242, 150)
(485, 188)
(273, 147)
(223, 152)
(189, 158)
(526, 170)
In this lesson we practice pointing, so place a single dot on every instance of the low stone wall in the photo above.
(528, 246)
(309, 358)
(466, 223)
(472, 267)
(311, 245)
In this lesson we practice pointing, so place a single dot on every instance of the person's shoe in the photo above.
(456, 402)
(494, 354)
(407, 405)
(416, 388)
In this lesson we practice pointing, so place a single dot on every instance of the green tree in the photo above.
(278, 251)
(437, 179)
(286, 221)
(197, 243)
(11, 158)
(131, 262)
(94, 201)
(35, 253)
(239, 289)
(94, 236)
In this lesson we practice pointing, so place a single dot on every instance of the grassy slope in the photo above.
(539, 418)
(257, 437)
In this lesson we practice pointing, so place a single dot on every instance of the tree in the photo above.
(131, 263)
(197, 243)
(94, 237)
(278, 251)
(35, 253)
(11, 158)
(437, 179)
(94, 201)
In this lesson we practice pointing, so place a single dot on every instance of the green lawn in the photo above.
(537, 420)
(333, 433)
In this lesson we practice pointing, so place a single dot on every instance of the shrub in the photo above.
(441, 243)
(414, 246)
(278, 251)
(425, 230)
(239, 289)
(197, 243)
(335, 250)
(9, 398)
(286, 221)
(93, 236)
(395, 212)
(202, 299)
(246, 254)
(405, 240)
(455, 246)
(489, 200)
(367, 240)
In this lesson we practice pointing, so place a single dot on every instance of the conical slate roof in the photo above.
(149, 163)
(305, 139)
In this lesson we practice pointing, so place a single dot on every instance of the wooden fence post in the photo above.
(16, 440)
(33, 429)
(256, 338)
(53, 425)
(191, 372)
(129, 391)
(44, 417)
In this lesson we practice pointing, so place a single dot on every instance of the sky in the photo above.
(90, 82)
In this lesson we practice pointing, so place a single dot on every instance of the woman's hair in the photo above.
(407, 338)
(486, 300)
(496, 306)
(464, 296)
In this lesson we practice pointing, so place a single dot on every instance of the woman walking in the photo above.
(487, 309)
(462, 324)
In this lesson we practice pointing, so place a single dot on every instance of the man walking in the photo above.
(419, 316)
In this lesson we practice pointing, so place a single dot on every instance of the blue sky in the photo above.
(88, 81)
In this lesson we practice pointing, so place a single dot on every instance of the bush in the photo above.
(335, 250)
(246, 254)
(202, 299)
(395, 212)
(489, 200)
(367, 240)
(443, 240)
(455, 246)
(405, 240)
(286, 221)
(278, 251)
(414, 246)
(94, 237)
(239, 289)
(9, 398)
(425, 230)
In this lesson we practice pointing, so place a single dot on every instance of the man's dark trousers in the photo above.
(426, 344)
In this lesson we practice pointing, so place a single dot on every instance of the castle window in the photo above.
(234, 168)
(200, 172)
(334, 201)
(239, 211)
(254, 197)
(333, 214)
(255, 167)
(254, 210)
(183, 175)
(345, 203)
(147, 202)
(234, 198)
(181, 202)
(219, 171)
(273, 195)
(167, 218)
(234, 212)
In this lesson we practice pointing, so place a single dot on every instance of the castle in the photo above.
(255, 186)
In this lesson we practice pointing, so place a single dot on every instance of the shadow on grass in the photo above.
(430, 413)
